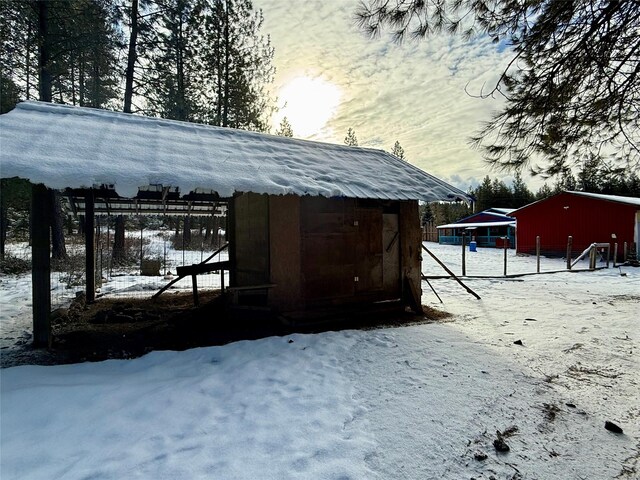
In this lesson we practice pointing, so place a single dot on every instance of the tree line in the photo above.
(594, 176)
(204, 61)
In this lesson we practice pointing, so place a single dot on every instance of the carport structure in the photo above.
(310, 225)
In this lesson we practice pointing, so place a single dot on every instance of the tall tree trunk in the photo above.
(186, 232)
(28, 63)
(219, 91)
(182, 113)
(81, 80)
(225, 114)
(118, 254)
(4, 223)
(58, 248)
(131, 57)
(44, 59)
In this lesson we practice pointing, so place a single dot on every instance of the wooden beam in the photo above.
(450, 272)
(89, 236)
(41, 264)
(231, 239)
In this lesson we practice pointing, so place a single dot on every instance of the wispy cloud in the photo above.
(413, 93)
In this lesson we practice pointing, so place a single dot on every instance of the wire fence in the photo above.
(146, 262)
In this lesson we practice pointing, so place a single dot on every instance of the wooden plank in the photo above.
(89, 246)
(368, 250)
(285, 244)
(328, 251)
(200, 268)
(231, 237)
(194, 281)
(450, 273)
(414, 296)
(410, 243)
(41, 265)
(392, 284)
(252, 239)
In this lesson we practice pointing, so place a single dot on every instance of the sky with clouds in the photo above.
(413, 93)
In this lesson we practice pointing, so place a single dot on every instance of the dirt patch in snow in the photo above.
(128, 328)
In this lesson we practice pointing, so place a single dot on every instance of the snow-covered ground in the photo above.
(416, 402)
(15, 303)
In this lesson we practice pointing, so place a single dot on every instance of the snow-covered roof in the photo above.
(504, 211)
(611, 198)
(486, 218)
(64, 146)
(478, 224)
(599, 196)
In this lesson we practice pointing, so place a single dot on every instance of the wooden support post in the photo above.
(608, 255)
(505, 248)
(592, 258)
(615, 254)
(141, 243)
(222, 280)
(89, 241)
(194, 280)
(538, 254)
(624, 253)
(41, 265)
(569, 245)
(464, 260)
(231, 239)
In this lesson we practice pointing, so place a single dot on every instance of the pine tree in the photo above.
(544, 192)
(398, 151)
(521, 193)
(19, 59)
(63, 51)
(285, 129)
(484, 195)
(9, 94)
(566, 181)
(351, 139)
(237, 67)
(572, 87)
(172, 84)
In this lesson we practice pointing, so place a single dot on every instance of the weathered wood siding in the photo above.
(328, 250)
(322, 252)
(285, 253)
(411, 242)
(251, 239)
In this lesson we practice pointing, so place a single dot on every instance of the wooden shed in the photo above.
(311, 253)
(311, 225)
(586, 217)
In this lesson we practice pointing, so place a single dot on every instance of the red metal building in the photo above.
(586, 217)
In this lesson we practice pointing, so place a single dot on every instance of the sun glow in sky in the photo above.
(308, 103)
(331, 77)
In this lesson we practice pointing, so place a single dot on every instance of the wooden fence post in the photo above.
(569, 245)
(592, 258)
(464, 260)
(538, 254)
(506, 244)
(89, 244)
(624, 253)
(41, 264)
